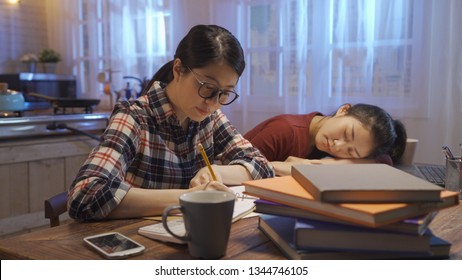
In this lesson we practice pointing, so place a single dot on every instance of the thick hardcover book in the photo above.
(363, 183)
(286, 190)
(415, 225)
(280, 230)
(311, 234)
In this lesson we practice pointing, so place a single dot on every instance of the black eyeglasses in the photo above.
(210, 91)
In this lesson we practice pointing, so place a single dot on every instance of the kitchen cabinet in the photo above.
(32, 170)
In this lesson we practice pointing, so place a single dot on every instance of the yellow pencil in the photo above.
(204, 156)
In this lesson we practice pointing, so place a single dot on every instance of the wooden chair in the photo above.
(54, 207)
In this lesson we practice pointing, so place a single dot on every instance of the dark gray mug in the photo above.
(207, 218)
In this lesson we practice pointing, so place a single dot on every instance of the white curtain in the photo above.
(138, 40)
(443, 124)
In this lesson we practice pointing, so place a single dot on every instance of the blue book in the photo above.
(311, 234)
(280, 230)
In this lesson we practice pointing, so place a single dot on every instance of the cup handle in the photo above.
(164, 222)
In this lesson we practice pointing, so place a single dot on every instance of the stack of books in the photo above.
(356, 211)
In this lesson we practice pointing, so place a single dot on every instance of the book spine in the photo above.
(312, 239)
(306, 184)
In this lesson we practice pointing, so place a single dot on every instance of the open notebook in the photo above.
(243, 207)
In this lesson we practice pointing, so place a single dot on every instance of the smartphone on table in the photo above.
(114, 245)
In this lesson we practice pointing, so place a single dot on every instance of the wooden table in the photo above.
(246, 240)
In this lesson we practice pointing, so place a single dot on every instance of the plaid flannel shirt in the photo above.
(144, 146)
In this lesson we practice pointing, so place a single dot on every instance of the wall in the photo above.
(23, 29)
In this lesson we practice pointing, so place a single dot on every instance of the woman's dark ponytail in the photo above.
(399, 146)
(164, 74)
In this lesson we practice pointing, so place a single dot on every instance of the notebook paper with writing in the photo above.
(286, 190)
(363, 183)
(243, 207)
(158, 232)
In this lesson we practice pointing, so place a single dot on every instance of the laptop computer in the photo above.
(433, 173)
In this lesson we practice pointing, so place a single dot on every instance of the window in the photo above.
(121, 38)
(306, 55)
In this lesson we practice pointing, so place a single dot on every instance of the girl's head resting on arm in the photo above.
(361, 131)
(389, 134)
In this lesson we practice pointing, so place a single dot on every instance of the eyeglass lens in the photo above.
(225, 97)
(208, 91)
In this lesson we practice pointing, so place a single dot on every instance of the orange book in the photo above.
(286, 190)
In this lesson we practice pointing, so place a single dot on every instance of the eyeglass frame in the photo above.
(216, 93)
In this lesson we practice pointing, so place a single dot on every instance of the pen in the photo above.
(204, 156)
(447, 153)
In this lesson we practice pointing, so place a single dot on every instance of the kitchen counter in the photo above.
(45, 125)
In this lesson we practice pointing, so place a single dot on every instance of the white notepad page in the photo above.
(243, 207)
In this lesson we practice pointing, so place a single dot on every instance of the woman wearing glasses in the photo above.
(149, 155)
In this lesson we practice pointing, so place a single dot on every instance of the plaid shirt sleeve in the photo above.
(100, 185)
(232, 148)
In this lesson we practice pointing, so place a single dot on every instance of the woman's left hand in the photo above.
(284, 168)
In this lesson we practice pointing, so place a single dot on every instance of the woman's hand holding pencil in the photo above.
(206, 178)
(207, 162)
